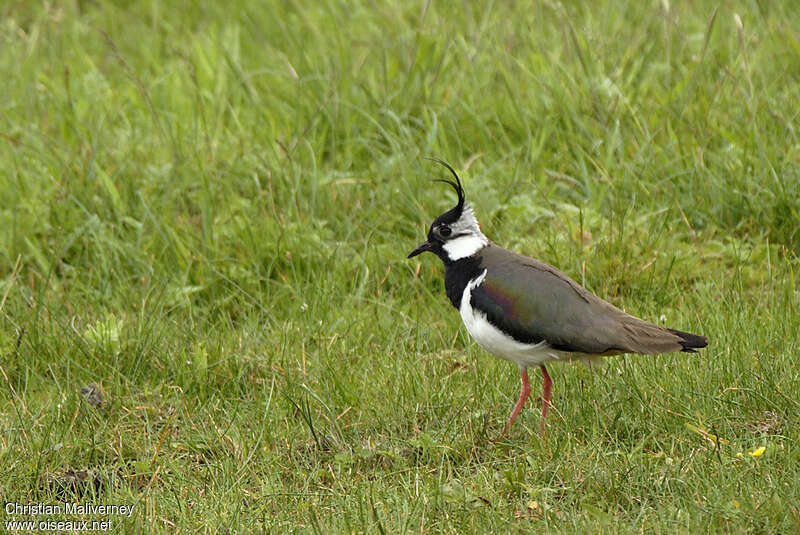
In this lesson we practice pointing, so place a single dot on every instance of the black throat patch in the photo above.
(458, 273)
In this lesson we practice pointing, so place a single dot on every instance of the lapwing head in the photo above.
(454, 234)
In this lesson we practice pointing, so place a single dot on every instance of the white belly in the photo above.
(495, 342)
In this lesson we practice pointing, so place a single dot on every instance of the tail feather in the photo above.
(688, 341)
(639, 336)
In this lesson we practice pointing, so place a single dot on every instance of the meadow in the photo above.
(206, 310)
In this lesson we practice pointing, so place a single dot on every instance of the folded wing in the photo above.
(532, 301)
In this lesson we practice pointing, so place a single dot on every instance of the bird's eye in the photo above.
(445, 231)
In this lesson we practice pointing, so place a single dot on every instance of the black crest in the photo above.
(454, 213)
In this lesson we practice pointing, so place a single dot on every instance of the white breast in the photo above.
(494, 341)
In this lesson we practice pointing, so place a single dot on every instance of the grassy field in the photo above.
(204, 220)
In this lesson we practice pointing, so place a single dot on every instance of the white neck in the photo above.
(465, 246)
(470, 239)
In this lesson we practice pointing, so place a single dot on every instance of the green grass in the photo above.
(206, 212)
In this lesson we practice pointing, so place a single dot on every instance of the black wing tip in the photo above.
(690, 342)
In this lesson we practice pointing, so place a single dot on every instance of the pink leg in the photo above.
(524, 392)
(547, 385)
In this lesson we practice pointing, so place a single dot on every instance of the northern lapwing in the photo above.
(526, 311)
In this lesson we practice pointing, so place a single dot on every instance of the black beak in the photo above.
(421, 249)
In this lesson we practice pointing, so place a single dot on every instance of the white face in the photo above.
(467, 238)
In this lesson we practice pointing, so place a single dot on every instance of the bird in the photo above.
(528, 312)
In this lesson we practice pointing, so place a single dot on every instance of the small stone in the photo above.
(91, 393)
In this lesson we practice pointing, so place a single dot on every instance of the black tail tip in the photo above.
(690, 342)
